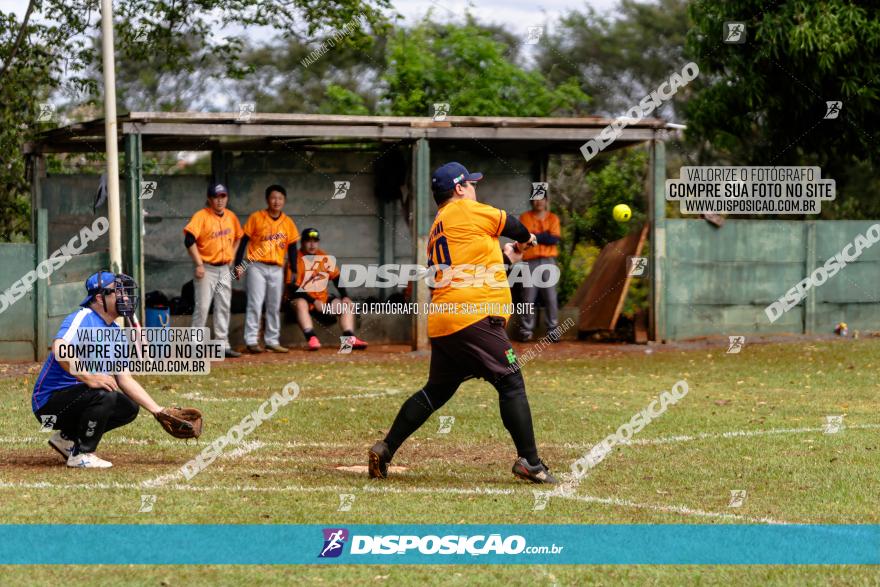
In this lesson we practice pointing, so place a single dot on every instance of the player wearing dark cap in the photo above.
(211, 238)
(315, 270)
(469, 344)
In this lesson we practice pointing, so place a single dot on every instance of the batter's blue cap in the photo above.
(451, 174)
(95, 283)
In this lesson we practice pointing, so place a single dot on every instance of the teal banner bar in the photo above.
(440, 544)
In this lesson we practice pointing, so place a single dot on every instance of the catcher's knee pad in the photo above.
(511, 386)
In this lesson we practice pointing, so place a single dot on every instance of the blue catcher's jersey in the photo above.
(52, 376)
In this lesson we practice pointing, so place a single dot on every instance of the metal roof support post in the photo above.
(657, 216)
(421, 224)
(36, 172)
(41, 308)
(133, 258)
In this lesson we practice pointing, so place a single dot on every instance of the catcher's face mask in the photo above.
(127, 295)
(108, 285)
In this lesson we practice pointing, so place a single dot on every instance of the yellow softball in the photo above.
(622, 213)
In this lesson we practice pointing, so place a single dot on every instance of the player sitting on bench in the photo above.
(314, 270)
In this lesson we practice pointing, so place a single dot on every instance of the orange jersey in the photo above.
(215, 235)
(464, 237)
(533, 224)
(314, 273)
(268, 238)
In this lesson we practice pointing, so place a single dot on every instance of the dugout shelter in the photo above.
(383, 218)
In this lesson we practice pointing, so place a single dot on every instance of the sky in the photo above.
(515, 15)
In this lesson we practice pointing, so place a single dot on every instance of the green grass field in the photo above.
(752, 421)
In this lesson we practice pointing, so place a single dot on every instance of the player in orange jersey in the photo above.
(544, 224)
(315, 269)
(270, 236)
(467, 335)
(212, 237)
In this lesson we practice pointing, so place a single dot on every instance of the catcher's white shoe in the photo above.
(61, 444)
(88, 460)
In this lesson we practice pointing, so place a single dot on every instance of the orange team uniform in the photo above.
(533, 224)
(314, 273)
(215, 235)
(268, 239)
(465, 232)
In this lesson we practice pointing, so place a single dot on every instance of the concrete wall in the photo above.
(351, 228)
(508, 172)
(17, 320)
(69, 200)
(67, 288)
(718, 281)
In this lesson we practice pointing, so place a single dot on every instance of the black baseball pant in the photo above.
(83, 414)
(480, 350)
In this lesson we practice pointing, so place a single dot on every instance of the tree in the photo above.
(619, 59)
(403, 71)
(346, 80)
(764, 102)
(52, 52)
(474, 72)
(765, 95)
(586, 198)
(27, 64)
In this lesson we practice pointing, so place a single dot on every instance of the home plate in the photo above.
(360, 469)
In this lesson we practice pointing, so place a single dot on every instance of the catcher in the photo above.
(81, 408)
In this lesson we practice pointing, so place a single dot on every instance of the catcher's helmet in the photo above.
(126, 288)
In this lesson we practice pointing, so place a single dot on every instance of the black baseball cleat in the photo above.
(380, 456)
(536, 474)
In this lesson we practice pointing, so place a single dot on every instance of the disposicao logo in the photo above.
(334, 541)
(409, 544)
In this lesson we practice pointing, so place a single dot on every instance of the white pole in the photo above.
(110, 137)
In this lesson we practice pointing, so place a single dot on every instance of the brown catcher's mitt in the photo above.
(181, 422)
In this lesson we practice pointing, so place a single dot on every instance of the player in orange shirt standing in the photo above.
(212, 238)
(467, 334)
(544, 224)
(315, 269)
(270, 236)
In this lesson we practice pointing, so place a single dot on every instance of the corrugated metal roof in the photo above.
(162, 131)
